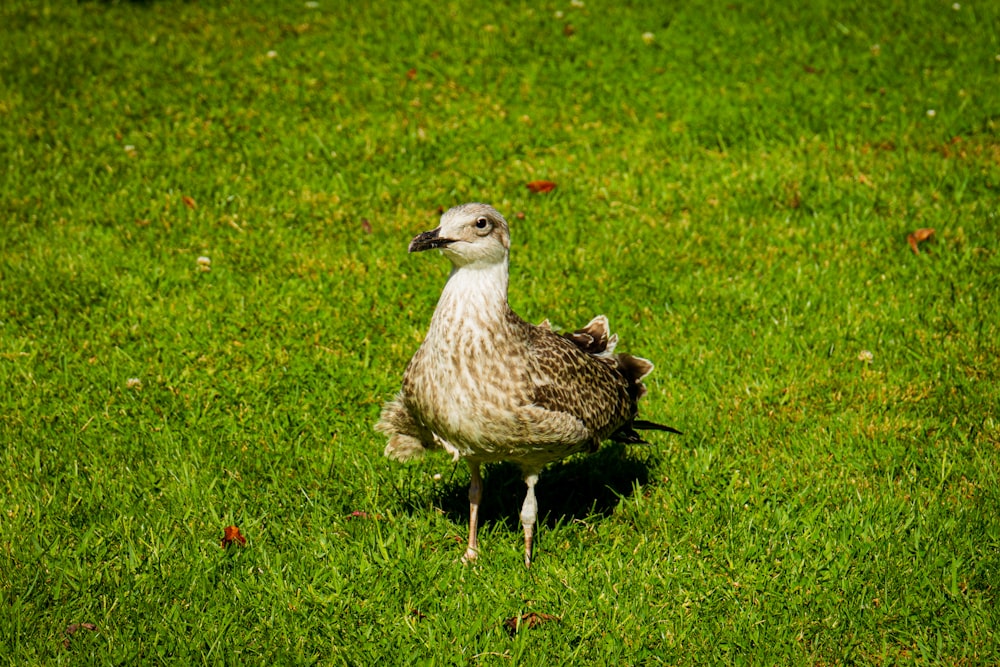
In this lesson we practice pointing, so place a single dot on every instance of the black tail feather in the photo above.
(629, 436)
(644, 425)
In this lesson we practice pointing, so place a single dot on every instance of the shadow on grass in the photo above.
(581, 487)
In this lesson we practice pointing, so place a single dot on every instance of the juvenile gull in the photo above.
(487, 386)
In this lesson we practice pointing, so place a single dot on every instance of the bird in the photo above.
(487, 386)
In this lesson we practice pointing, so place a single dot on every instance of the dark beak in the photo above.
(428, 240)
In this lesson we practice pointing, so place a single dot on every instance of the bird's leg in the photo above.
(475, 496)
(529, 514)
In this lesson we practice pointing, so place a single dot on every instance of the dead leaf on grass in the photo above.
(540, 187)
(189, 202)
(917, 237)
(794, 199)
(232, 534)
(72, 629)
(529, 620)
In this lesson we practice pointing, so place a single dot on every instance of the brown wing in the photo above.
(566, 379)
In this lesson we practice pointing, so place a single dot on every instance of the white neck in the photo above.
(474, 293)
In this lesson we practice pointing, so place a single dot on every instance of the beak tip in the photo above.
(427, 240)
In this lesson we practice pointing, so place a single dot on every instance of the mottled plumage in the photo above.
(487, 386)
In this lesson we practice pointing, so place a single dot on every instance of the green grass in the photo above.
(734, 193)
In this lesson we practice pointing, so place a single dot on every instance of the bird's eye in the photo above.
(481, 223)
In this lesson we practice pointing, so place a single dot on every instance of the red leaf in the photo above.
(540, 187)
(189, 202)
(232, 534)
(917, 237)
(529, 620)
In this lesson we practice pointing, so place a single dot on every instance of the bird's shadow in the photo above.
(577, 488)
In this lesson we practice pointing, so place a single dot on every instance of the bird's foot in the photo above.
(470, 556)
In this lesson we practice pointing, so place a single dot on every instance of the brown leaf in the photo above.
(569, 30)
(411, 73)
(189, 202)
(529, 620)
(916, 237)
(794, 199)
(366, 226)
(232, 534)
(541, 187)
(519, 215)
(72, 629)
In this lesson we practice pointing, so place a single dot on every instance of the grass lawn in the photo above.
(205, 297)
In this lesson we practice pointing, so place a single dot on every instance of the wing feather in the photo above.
(567, 379)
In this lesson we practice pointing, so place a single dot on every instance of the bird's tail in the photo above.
(629, 434)
(407, 438)
(644, 425)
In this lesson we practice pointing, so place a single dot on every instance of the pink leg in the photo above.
(475, 496)
(529, 514)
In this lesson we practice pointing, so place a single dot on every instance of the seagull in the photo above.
(487, 386)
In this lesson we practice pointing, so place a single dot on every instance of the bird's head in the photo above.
(468, 234)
